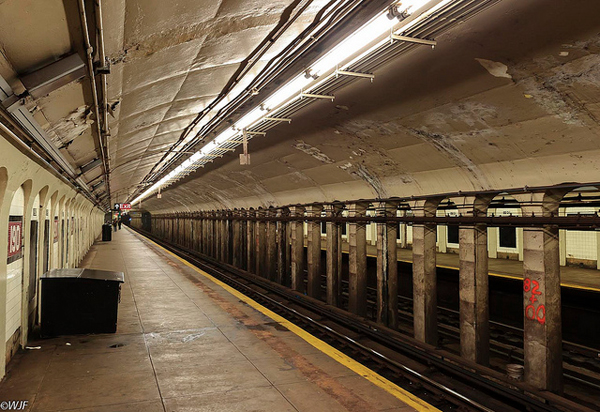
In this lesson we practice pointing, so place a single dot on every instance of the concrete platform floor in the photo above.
(183, 344)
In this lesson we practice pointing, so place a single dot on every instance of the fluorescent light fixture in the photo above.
(351, 44)
(355, 47)
(250, 118)
(288, 91)
(225, 136)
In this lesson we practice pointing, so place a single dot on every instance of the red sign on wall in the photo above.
(15, 231)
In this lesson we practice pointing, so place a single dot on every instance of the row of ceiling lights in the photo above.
(355, 47)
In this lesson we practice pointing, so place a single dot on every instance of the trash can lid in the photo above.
(81, 273)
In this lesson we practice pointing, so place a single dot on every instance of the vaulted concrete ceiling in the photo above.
(168, 61)
(510, 98)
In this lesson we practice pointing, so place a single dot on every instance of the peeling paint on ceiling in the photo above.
(496, 69)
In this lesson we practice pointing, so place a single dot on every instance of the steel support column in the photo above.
(190, 225)
(213, 237)
(227, 230)
(282, 248)
(474, 294)
(217, 235)
(313, 252)
(204, 242)
(357, 239)
(271, 246)
(243, 240)
(387, 266)
(250, 242)
(473, 280)
(542, 309)
(542, 324)
(403, 232)
(424, 273)
(334, 256)
(195, 230)
(225, 236)
(236, 240)
(221, 228)
(260, 237)
(297, 248)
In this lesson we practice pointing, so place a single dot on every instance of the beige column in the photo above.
(542, 294)
(424, 273)
(473, 281)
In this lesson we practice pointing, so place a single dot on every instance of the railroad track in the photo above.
(439, 378)
(506, 341)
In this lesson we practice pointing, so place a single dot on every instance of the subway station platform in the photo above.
(185, 343)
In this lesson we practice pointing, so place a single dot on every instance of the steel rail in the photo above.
(588, 352)
(453, 332)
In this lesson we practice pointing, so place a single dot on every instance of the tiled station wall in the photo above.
(46, 224)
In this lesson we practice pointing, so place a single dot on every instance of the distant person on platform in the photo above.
(119, 223)
(114, 223)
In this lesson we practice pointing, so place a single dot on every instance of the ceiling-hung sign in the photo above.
(15, 230)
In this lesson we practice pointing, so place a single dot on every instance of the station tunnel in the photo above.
(312, 204)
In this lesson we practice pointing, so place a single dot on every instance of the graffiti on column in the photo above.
(534, 310)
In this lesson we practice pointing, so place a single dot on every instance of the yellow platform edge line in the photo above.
(378, 380)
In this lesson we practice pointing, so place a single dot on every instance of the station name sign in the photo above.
(15, 230)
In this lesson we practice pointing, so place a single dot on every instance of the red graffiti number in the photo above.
(532, 312)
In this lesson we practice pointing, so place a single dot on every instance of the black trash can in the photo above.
(80, 301)
(106, 232)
